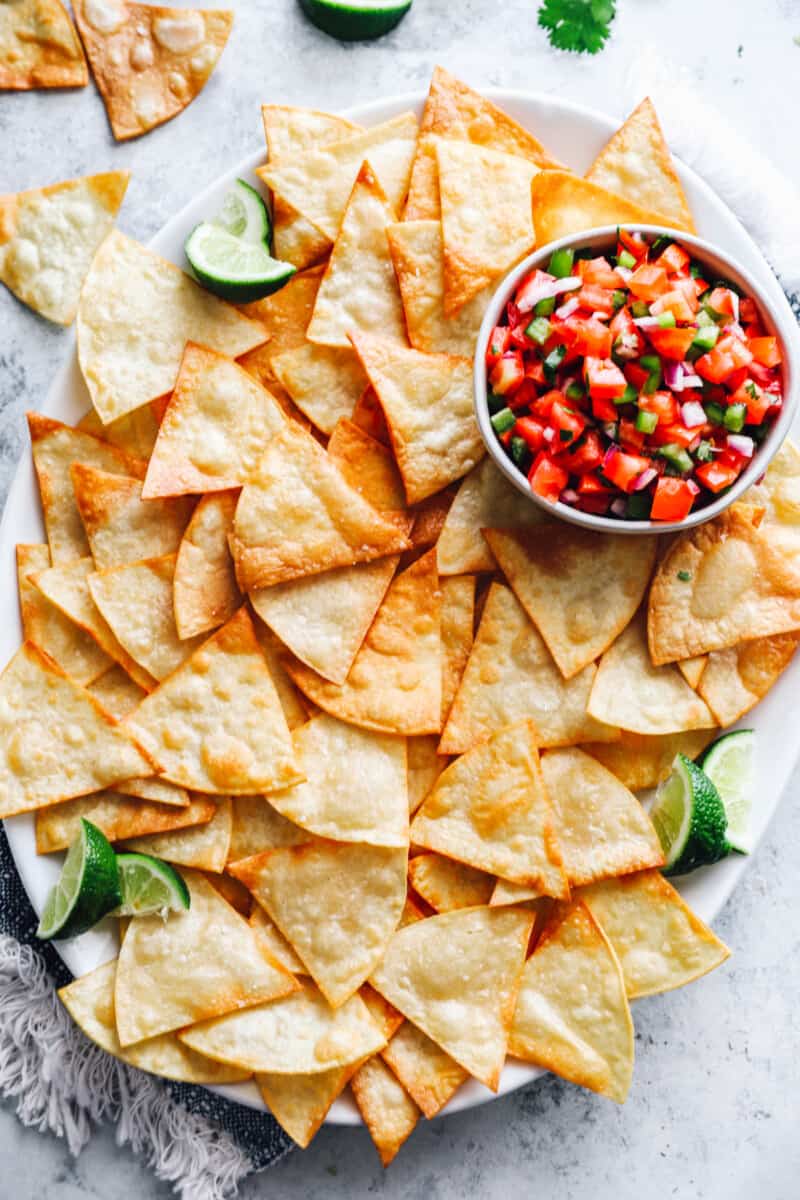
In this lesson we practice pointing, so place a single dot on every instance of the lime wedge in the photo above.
(232, 268)
(88, 888)
(355, 20)
(244, 215)
(690, 820)
(150, 885)
(729, 764)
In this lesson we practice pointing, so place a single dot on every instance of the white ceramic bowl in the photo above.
(776, 320)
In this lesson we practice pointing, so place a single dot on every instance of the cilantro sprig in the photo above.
(579, 25)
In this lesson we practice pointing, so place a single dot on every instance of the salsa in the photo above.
(632, 386)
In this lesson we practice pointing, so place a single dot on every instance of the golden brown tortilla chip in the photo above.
(641, 762)
(735, 679)
(485, 499)
(387, 1110)
(565, 204)
(300, 1103)
(368, 416)
(117, 692)
(204, 847)
(39, 47)
(370, 467)
(424, 768)
(324, 382)
(118, 816)
(430, 517)
(446, 884)
(270, 938)
(430, 1076)
(152, 788)
(692, 669)
(120, 526)
(257, 827)
(458, 619)
(294, 710)
(285, 316)
(135, 432)
(206, 594)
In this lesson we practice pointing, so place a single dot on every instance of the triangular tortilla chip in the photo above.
(424, 768)
(235, 893)
(299, 516)
(601, 827)
(572, 1016)
(386, 1108)
(117, 692)
(446, 884)
(510, 676)
(48, 238)
(734, 680)
(395, 683)
(579, 588)
(204, 847)
(117, 816)
(148, 62)
(636, 163)
(296, 1035)
(368, 416)
(39, 47)
(152, 788)
(458, 618)
(430, 1076)
(474, 182)
(456, 977)
(490, 810)
(779, 493)
(78, 654)
(565, 204)
(323, 381)
(56, 741)
(55, 448)
(430, 517)
(317, 183)
(270, 938)
(692, 669)
(629, 692)
(643, 762)
(206, 594)
(136, 314)
(294, 710)
(300, 1103)
(213, 433)
(216, 725)
(257, 827)
(658, 940)
(135, 432)
(120, 526)
(485, 500)
(427, 400)
(285, 316)
(359, 289)
(337, 905)
(90, 1002)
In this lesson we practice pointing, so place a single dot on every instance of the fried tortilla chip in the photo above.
(779, 493)
(446, 884)
(48, 238)
(300, 1103)
(78, 654)
(285, 316)
(216, 725)
(117, 692)
(90, 1002)
(387, 1110)
(355, 788)
(118, 816)
(337, 905)
(456, 976)
(735, 679)
(430, 517)
(510, 676)
(152, 788)
(257, 827)
(148, 62)
(206, 593)
(39, 47)
(430, 1076)
(395, 683)
(640, 762)
(368, 416)
(136, 314)
(484, 499)
(135, 432)
(692, 669)
(294, 710)
(565, 204)
(56, 741)
(658, 940)
(572, 1015)
(427, 401)
(629, 692)
(458, 618)
(579, 588)
(424, 768)
(636, 163)
(204, 847)
(324, 382)
(271, 939)
(120, 526)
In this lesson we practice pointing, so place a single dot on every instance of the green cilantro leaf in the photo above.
(579, 25)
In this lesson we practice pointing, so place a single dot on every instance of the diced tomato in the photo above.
(506, 437)
(673, 302)
(507, 374)
(742, 356)
(723, 300)
(596, 299)
(592, 485)
(597, 504)
(634, 243)
(527, 290)
(748, 311)
(673, 499)
(663, 404)
(624, 469)
(716, 476)
(735, 381)
(630, 437)
(535, 371)
(674, 258)
(662, 435)
(531, 430)
(648, 282)
(588, 337)
(671, 343)
(568, 425)
(585, 457)
(604, 379)
(498, 344)
(765, 350)
(547, 478)
(543, 405)
(636, 376)
(525, 395)
(599, 271)
(758, 401)
(716, 364)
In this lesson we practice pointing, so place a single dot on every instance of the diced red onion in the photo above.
(569, 496)
(627, 346)
(647, 322)
(673, 376)
(619, 507)
(693, 488)
(741, 444)
(610, 430)
(610, 454)
(694, 444)
(548, 291)
(735, 303)
(645, 479)
(693, 414)
(733, 327)
(624, 273)
(568, 308)
(690, 379)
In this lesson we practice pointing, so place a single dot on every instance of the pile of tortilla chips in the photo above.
(290, 633)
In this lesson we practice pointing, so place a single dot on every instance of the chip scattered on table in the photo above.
(39, 47)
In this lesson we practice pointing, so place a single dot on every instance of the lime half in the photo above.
(87, 890)
(235, 269)
(355, 20)
(690, 820)
(244, 215)
(150, 885)
(729, 764)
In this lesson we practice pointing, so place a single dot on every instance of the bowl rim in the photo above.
(778, 321)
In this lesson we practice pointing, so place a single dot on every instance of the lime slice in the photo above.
(690, 820)
(232, 268)
(150, 886)
(355, 20)
(88, 888)
(729, 764)
(244, 215)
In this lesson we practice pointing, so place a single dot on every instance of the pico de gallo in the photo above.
(631, 384)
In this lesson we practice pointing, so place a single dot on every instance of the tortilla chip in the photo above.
(395, 683)
(779, 492)
(369, 466)
(384, 1014)
(270, 938)
(317, 183)
(323, 381)
(39, 47)
(636, 163)
(135, 432)
(285, 316)
(572, 1016)
(296, 1035)
(456, 976)
(56, 741)
(299, 516)
(458, 617)
(741, 586)
(149, 63)
(213, 433)
(257, 827)
(136, 313)
(75, 651)
(300, 1103)
(117, 692)
(428, 405)
(90, 1002)
(120, 526)
(151, 788)
(55, 448)
(565, 204)
(117, 816)
(430, 517)
(48, 238)
(658, 940)
(580, 588)
(424, 768)
(644, 762)
(204, 847)
(206, 594)
(485, 499)
(446, 884)
(510, 676)
(430, 1076)
(216, 725)
(293, 708)
(735, 679)
(631, 693)
(355, 788)
(387, 1110)
(692, 669)
(337, 905)
(368, 416)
